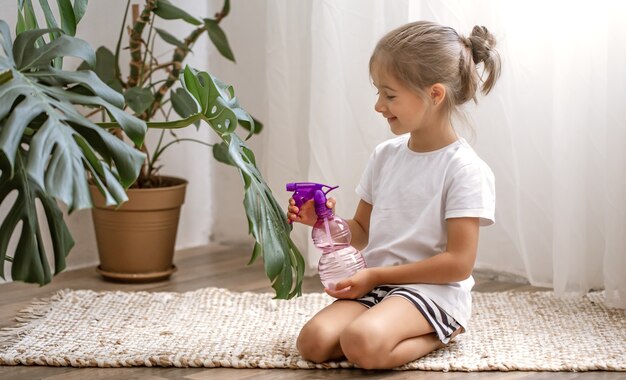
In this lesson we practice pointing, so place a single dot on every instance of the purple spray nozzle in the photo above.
(305, 191)
(321, 210)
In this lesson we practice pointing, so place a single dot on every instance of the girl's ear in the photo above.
(437, 93)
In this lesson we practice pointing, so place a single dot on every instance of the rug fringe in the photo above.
(28, 318)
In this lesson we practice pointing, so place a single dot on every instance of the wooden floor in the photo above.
(226, 267)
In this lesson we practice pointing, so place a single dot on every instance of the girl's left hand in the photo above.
(354, 287)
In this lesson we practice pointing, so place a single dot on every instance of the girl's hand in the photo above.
(361, 283)
(306, 214)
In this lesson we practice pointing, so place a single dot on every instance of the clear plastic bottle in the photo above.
(332, 236)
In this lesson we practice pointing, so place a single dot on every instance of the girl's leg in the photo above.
(390, 334)
(319, 338)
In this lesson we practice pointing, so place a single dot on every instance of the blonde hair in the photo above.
(423, 53)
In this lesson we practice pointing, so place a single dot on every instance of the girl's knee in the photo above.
(316, 342)
(363, 347)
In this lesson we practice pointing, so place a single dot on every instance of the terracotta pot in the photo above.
(136, 242)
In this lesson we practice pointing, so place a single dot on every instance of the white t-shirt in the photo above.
(412, 195)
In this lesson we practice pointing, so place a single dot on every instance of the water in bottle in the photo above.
(332, 236)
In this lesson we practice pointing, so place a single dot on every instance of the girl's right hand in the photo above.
(306, 214)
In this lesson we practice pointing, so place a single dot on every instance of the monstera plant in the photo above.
(50, 151)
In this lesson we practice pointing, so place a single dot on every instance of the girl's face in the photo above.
(404, 110)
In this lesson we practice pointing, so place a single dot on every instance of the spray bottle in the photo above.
(330, 234)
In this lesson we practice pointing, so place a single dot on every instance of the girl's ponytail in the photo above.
(479, 48)
(484, 50)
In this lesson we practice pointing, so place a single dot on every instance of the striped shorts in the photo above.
(443, 324)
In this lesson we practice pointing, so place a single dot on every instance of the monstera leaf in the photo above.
(266, 219)
(47, 146)
(216, 104)
(268, 224)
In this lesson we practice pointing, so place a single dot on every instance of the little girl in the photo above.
(424, 195)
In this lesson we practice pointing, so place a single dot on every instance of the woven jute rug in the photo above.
(218, 328)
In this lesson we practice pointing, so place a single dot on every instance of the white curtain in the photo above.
(552, 130)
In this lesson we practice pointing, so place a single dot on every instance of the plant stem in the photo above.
(142, 75)
(148, 75)
(136, 66)
(118, 72)
(90, 114)
(176, 124)
(6, 76)
(135, 42)
(177, 62)
(158, 152)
